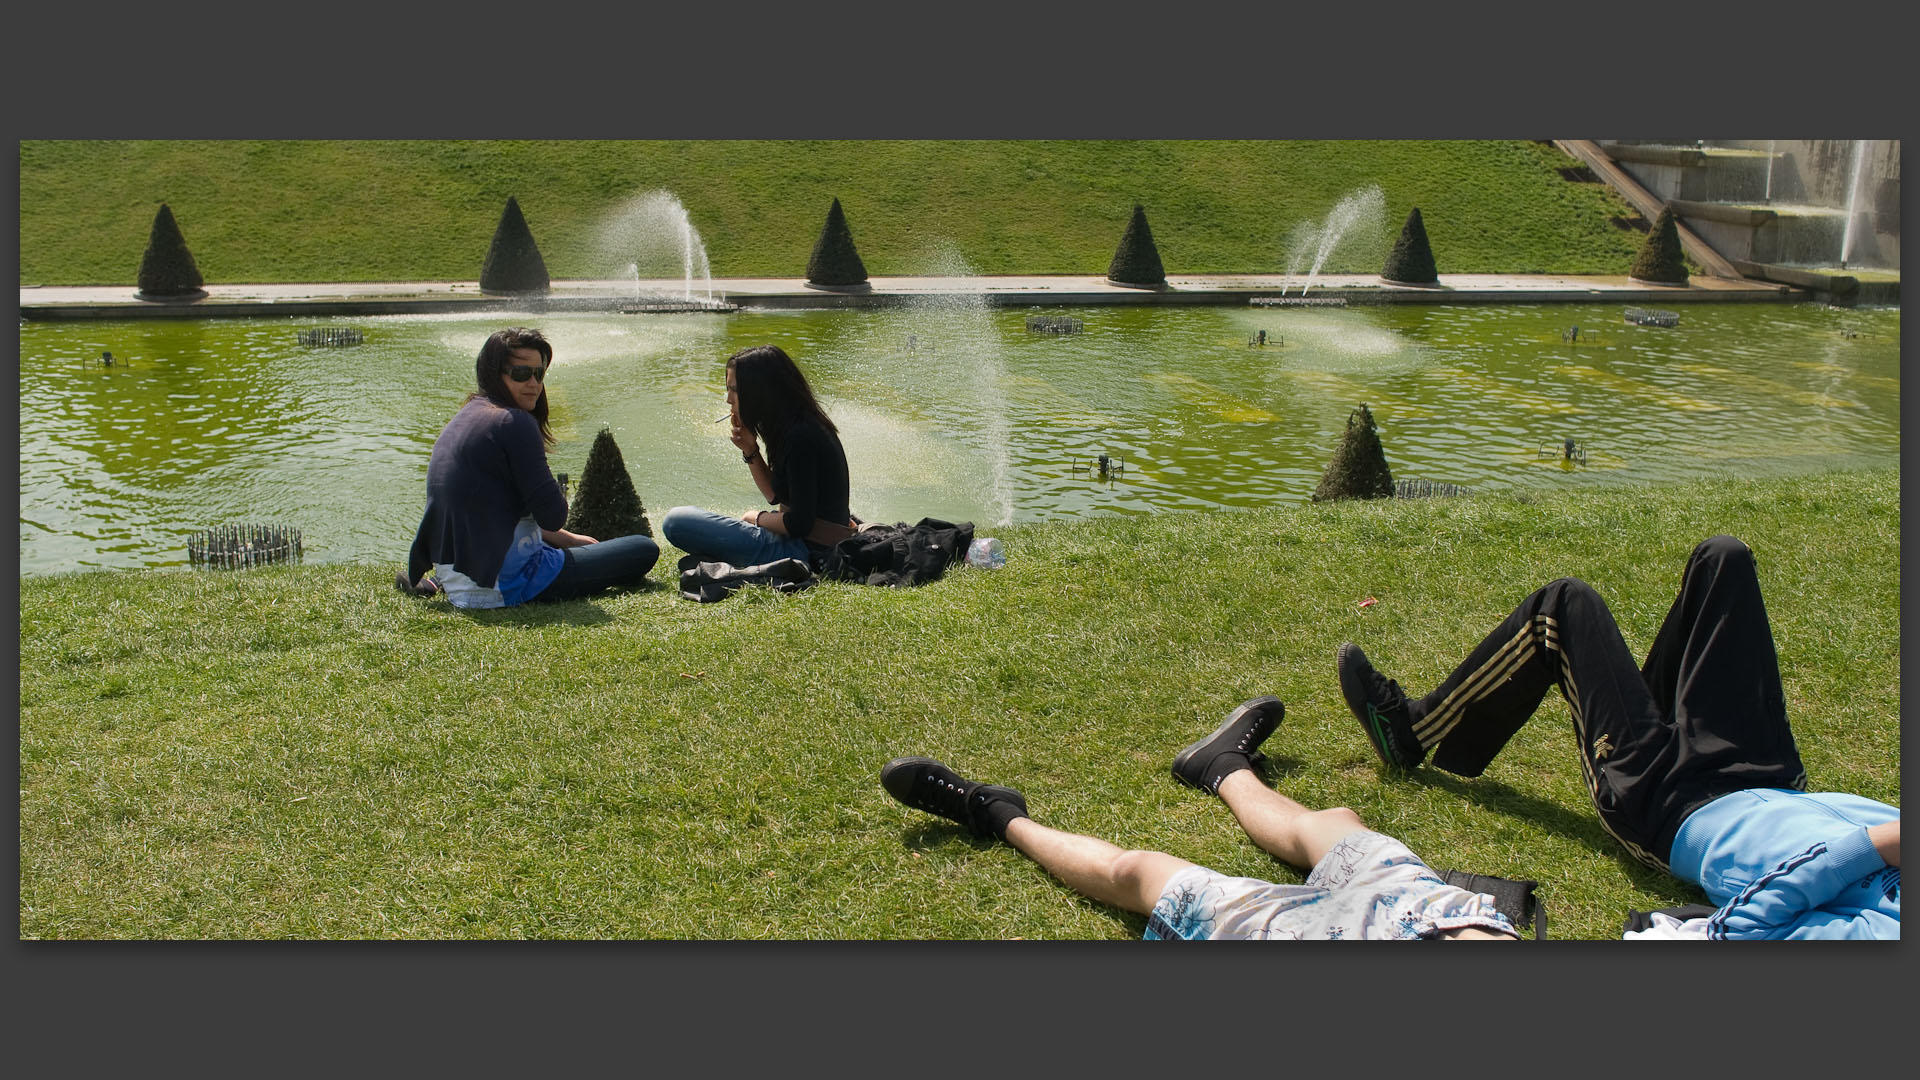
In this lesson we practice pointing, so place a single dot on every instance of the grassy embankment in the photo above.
(256, 211)
(303, 752)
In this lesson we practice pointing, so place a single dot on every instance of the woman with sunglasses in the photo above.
(803, 471)
(492, 532)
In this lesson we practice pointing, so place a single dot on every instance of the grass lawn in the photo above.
(303, 752)
(271, 211)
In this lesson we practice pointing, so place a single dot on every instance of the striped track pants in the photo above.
(1704, 716)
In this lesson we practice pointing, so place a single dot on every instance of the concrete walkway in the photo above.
(405, 298)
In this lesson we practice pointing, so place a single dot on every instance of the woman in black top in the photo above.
(803, 471)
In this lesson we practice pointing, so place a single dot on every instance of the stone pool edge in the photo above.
(51, 302)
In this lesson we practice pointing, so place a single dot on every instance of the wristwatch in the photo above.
(749, 456)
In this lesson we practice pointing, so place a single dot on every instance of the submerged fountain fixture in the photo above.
(1568, 450)
(1640, 316)
(1357, 216)
(239, 547)
(1105, 467)
(1298, 301)
(1426, 489)
(1054, 324)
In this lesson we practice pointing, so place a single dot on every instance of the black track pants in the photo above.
(1703, 716)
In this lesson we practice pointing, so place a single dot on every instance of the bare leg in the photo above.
(1283, 828)
(1129, 880)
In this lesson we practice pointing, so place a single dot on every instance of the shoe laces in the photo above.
(941, 795)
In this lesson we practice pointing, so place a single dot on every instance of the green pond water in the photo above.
(947, 409)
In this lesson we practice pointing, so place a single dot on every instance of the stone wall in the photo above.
(1809, 173)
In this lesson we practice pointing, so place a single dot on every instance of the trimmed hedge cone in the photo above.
(834, 262)
(1411, 260)
(607, 506)
(1137, 260)
(513, 261)
(1359, 466)
(1659, 261)
(167, 270)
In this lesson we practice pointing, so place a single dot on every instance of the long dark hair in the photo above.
(772, 394)
(490, 371)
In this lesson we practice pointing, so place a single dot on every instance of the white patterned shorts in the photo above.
(1368, 886)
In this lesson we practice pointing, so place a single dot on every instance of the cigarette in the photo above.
(729, 416)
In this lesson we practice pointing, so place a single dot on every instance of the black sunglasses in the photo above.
(523, 372)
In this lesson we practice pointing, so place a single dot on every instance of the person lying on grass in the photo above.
(1688, 758)
(1362, 884)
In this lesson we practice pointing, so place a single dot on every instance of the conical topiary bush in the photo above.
(1411, 260)
(1660, 261)
(167, 270)
(607, 506)
(1359, 466)
(513, 261)
(1137, 260)
(834, 262)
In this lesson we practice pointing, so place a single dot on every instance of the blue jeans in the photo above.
(622, 561)
(715, 537)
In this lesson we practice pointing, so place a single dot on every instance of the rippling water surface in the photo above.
(947, 409)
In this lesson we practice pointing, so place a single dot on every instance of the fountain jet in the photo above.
(1359, 213)
(960, 324)
(649, 229)
(1853, 199)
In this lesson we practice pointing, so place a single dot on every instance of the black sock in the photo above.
(998, 813)
(1224, 764)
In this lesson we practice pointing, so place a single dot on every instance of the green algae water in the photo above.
(948, 408)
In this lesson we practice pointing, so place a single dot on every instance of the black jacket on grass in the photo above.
(899, 554)
(880, 555)
(710, 581)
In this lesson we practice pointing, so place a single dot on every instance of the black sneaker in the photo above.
(1381, 707)
(1242, 732)
(925, 784)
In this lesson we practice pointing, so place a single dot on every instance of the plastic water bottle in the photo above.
(987, 553)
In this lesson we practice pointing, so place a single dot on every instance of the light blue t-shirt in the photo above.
(1790, 864)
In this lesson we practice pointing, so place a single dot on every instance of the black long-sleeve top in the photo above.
(810, 478)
